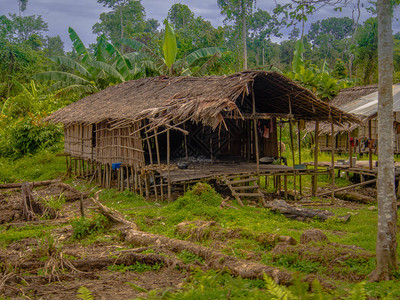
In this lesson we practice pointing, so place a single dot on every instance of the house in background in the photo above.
(362, 102)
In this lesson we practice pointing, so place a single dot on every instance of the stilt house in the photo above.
(163, 131)
(362, 102)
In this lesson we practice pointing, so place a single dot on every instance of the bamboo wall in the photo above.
(79, 141)
(121, 145)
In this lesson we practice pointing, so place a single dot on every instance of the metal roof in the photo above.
(367, 106)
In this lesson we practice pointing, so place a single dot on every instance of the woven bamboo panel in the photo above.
(120, 145)
(78, 141)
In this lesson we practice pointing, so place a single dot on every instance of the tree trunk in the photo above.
(122, 27)
(244, 35)
(386, 243)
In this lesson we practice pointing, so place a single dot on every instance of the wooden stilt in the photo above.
(119, 179)
(128, 183)
(140, 184)
(369, 146)
(122, 178)
(168, 163)
(146, 185)
(292, 146)
(333, 161)
(159, 165)
(152, 166)
(314, 177)
(285, 186)
(299, 146)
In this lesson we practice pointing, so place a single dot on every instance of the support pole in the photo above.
(292, 146)
(299, 146)
(314, 177)
(159, 165)
(333, 161)
(369, 144)
(168, 163)
(256, 134)
(152, 166)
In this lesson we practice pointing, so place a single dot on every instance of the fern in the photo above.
(277, 291)
(358, 292)
(84, 293)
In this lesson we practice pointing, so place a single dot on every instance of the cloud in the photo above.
(83, 14)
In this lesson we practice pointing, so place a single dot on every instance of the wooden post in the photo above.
(122, 177)
(314, 178)
(256, 134)
(151, 163)
(369, 144)
(128, 184)
(168, 163)
(333, 160)
(299, 146)
(292, 146)
(159, 164)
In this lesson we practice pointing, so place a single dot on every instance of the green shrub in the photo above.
(83, 227)
(27, 135)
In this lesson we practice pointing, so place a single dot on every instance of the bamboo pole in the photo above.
(314, 178)
(333, 161)
(299, 146)
(151, 163)
(168, 163)
(369, 144)
(256, 135)
(292, 146)
(159, 164)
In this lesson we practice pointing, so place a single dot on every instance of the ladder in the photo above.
(240, 186)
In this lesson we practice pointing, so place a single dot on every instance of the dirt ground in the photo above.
(36, 268)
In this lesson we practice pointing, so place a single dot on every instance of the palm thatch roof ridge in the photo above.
(200, 99)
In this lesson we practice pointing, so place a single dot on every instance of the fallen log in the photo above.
(34, 184)
(354, 197)
(297, 212)
(214, 259)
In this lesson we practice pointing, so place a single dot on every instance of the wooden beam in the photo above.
(348, 187)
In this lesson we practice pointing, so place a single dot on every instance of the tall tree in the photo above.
(126, 17)
(386, 244)
(22, 6)
(237, 11)
(329, 36)
(262, 25)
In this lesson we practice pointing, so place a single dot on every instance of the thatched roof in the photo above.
(199, 99)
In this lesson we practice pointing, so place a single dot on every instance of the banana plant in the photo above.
(94, 72)
(165, 61)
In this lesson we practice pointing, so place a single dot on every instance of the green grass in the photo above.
(15, 234)
(41, 166)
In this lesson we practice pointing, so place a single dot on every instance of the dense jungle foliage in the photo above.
(38, 76)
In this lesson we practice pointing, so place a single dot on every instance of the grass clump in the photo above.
(188, 257)
(136, 267)
(83, 227)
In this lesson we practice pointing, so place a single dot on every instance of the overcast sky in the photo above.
(83, 14)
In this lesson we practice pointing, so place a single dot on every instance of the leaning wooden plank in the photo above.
(19, 184)
(213, 258)
(348, 187)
